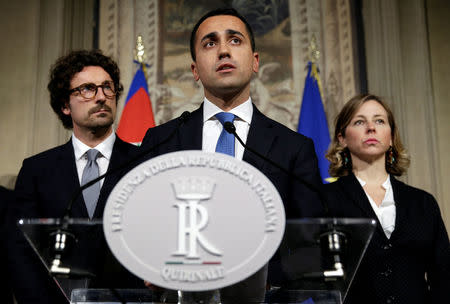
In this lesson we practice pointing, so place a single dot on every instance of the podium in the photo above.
(319, 259)
(311, 272)
(174, 222)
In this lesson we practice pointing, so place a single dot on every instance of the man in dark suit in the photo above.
(224, 60)
(84, 88)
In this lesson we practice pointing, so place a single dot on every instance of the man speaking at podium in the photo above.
(84, 89)
(224, 59)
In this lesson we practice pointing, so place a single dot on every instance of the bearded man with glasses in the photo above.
(84, 89)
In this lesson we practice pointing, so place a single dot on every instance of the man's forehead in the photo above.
(221, 24)
(91, 74)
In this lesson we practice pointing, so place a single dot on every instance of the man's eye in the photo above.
(210, 44)
(108, 85)
(235, 41)
(87, 88)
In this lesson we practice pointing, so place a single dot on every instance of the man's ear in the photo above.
(66, 109)
(255, 62)
(194, 71)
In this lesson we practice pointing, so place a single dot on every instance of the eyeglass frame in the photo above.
(78, 89)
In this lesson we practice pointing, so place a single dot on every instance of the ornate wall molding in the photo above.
(331, 23)
(339, 57)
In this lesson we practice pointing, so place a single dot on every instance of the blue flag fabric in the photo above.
(309, 301)
(313, 121)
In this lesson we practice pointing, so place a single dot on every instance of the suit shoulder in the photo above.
(124, 146)
(412, 192)
(336, 185)
(46, 155)
(286, 132)
(160, 130)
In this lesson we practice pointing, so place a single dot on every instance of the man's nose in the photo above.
(224, 51)
(100, 96)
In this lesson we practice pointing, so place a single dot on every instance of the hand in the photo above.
(152, 286)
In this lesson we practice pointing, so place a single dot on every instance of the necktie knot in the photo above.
(224, 117)
(92, 154)
(225, 144)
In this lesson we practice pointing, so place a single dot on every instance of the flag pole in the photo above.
(314, 55)
(140, 55)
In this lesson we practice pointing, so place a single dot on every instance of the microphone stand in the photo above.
(332, 241)
(63, 238)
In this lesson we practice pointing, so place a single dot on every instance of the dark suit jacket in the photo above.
(289, 149)
(45, 185)
(285, 147)
(393, 270)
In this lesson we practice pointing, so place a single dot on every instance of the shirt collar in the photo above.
(386, 185)
(105, 147)
(242, 112)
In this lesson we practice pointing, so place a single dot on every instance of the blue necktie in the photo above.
(225, 144)
(90, 172)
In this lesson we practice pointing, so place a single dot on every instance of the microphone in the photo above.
(230, 128)
(63, 239)
(332, 241)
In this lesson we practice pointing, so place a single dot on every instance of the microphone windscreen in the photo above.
(229, 127)
(185, 116)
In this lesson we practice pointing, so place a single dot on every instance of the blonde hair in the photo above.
(397, 159)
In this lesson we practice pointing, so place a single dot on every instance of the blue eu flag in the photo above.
(313, 121)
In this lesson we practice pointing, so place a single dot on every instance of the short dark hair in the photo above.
(62, 72)
(229, 11)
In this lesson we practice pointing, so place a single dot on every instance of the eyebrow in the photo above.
(376, 115)
(215, 34)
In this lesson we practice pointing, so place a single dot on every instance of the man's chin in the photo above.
(228, 89)
(101, 123)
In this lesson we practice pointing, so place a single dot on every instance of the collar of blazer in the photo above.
(354, 191)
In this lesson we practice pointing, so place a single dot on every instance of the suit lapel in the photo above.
(191, 133)
(120, 154)
(356, 194)
(400, 200)
(261, 137)
(68, 180)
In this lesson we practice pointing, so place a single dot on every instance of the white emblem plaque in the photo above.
(194, 221)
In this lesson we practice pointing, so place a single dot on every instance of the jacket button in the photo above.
(390, 300)
(387, 272)
(386, 246)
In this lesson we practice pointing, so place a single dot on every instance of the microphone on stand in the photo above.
(332, 241)
(63, 239)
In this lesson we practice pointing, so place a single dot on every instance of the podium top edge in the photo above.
(332, 221)
(57, 221)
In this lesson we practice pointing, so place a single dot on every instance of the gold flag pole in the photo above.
(314, 55)
(139, 54)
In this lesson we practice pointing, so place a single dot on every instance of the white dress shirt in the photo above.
(105, 148)
(212, 126)
(386, 212)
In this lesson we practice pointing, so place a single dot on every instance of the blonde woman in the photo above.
(408, 259)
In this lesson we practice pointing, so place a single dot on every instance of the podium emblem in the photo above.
(194, 221)
(192, 216)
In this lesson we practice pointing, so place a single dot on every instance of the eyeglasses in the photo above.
(89, 90)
